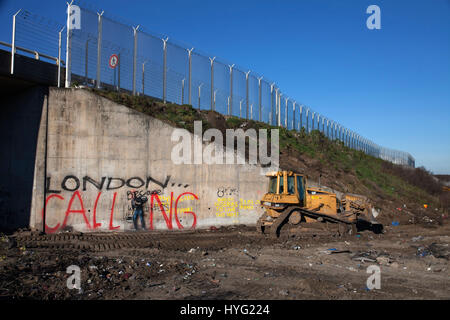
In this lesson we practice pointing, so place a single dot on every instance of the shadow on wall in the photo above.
(20, 116)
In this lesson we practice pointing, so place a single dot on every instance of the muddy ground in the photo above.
(228, 263)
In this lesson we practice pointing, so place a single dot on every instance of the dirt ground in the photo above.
(228, 263)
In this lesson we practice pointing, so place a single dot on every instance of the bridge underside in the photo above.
(23, 95)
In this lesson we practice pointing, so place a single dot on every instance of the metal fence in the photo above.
(104, 52)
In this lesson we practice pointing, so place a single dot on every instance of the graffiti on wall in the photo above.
(229, 205)
(227, 191)
(167, 207)
(73, 183)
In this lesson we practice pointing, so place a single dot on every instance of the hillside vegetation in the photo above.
(399, 192)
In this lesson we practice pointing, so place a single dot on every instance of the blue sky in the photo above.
(390, 85)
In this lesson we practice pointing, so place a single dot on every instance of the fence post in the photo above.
(246, 94)
(230, 109)
(164, 67)
(13, 41)
(271, 103)
(286, 112)
(312, 120)
(59, 57)
(190, 76)
(293, 115)
(99, 48)
(279, 108)
(135, 35)
(276, 106)
(212, 81)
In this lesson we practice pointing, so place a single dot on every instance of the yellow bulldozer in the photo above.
(291, 201)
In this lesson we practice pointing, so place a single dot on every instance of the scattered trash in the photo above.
(192, 250)
(340, 251)
(248, 254)
(156, 284)
(296, 247)
(383, 260)
(418, 238)
(283, 292)
(364, 257)
(395, 223)
(425, 206)
(148, 264)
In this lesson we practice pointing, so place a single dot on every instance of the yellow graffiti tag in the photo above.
(227, 207)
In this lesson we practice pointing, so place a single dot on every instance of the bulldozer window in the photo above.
(291, 184)
(273, 185)
(281, 190)
(300, 189)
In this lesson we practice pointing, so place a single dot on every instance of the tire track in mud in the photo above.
(185, 240)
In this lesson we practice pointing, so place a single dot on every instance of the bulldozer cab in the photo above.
(287, 187)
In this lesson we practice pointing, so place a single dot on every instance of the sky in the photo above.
(390, 85)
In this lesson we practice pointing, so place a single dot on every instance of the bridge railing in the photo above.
(105, 52)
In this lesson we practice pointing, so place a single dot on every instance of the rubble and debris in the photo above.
(168, 270)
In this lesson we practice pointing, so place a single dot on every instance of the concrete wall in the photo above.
(98, 151)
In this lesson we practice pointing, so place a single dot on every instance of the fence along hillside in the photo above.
(104, 52)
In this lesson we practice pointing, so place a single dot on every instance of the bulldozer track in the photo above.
(96, 242)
